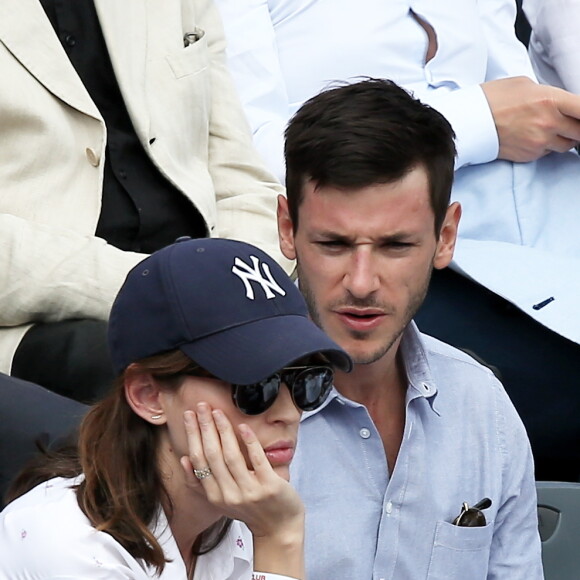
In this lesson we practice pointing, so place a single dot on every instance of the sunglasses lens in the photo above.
(472, 518)
(311, 386)
(255, 399)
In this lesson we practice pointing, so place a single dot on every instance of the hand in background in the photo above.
(531, 119)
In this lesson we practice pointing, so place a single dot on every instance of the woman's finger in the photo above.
(194, 442)
(196, 461)
(232, 453)
(256, 454)
(212, 449)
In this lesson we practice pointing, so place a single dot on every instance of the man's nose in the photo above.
(362, 279)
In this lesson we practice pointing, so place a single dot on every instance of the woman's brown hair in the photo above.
(122, 487)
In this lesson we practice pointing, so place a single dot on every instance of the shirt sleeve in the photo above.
(553, 42)
(516, 548)
(246, 192)
(49, 273)
(469, 114)
(255, 67)
(466, 107)
(44, 544)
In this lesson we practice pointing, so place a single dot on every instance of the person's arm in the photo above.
(254, 494)
(515, 550)
(253, 61)
(531, 120)
(49, 273)
(246, 192)
(466, 106)
(553, 42)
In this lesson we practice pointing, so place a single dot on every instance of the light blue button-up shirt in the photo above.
(463, 441)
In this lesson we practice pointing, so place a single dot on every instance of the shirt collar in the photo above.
(416, 363)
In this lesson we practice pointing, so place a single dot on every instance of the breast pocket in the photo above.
(193, 59)
(460, 552)
(181, 98)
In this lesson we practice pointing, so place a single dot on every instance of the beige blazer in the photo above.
(52, 143)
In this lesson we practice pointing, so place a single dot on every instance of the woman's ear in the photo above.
(142, 393)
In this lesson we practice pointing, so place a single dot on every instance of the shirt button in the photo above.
(389, 507)
(122, 174)
(70, 40)
(92, 156)
(364, 433)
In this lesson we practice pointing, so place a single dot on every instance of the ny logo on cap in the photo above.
(248, 273)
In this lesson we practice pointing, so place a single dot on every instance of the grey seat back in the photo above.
(559, 524)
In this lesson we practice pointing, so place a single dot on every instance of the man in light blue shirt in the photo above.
(419, 432)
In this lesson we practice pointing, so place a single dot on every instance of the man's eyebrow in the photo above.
(396, 237)
(332, 236)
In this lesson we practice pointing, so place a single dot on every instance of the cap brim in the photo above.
(251, 352)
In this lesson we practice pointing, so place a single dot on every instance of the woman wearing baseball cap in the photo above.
(182, 471)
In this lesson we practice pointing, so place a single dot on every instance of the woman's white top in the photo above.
(45, 536)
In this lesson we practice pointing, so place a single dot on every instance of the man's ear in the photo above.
(142, 393)
(447, 237)
(285, 229)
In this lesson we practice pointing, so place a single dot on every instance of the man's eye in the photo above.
(398, 246)
(332, 244)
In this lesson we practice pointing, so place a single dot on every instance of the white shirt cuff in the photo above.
(468, 112)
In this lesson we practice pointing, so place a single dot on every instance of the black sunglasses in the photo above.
(472, 517)
(309, 387)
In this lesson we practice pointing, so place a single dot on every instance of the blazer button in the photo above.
(92, 156)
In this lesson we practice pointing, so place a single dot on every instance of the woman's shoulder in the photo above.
(57, 494)
(45, 534)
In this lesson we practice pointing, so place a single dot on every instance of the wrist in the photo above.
(284, 532)
(279, 557)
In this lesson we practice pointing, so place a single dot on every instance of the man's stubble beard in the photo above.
(365, 358)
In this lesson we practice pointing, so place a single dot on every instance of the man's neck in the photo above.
(381, 387)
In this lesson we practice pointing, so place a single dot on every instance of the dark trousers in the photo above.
(70, 358)
(539, 369)
(31, 415)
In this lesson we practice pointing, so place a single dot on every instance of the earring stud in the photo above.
(155, 417)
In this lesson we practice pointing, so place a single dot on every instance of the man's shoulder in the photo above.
(446, 361)
(462, 379)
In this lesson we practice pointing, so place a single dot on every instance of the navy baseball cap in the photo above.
(225, 304)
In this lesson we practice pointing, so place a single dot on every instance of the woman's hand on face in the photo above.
(259, 497)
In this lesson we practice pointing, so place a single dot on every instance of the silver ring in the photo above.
(202, 473)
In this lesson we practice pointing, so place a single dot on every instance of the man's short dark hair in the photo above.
(364, 133)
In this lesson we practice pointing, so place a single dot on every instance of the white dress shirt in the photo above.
(519, 232)
(45, 536)
(553, 45)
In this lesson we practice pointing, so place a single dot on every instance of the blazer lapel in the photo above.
(124, 26)
(29, 36)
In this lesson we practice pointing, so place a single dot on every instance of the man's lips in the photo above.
(361, 319)
(280, 453)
